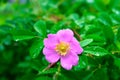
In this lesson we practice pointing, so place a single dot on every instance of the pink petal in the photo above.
(51, 41)
(75, 46)
(69, 60)
(65, 35)
(50, 55)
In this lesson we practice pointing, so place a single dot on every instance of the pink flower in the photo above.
(64, 47)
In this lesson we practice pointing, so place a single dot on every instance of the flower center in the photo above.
(62, 48)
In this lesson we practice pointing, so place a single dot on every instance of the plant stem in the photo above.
(57, 73)
(77, 34)
(48, 67)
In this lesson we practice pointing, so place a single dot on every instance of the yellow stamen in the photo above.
(62, 48)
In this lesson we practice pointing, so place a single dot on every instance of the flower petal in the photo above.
(65, 35)
(69, 60)
(51, 41)
(50, 55)
(75, 46)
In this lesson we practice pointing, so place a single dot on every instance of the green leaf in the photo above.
(96, 75)
(83, 62)
(108, 32)
(118, 44)
(43, 78)
(40, 27)
(74, 16)
(105, 24)
(98, 40)
(50, 71)
(1, 48)
(86, 42)
(36, 64)
(88, 76)
(57, 27)
(92, 29)
(22, 34)
(96, 50)
(115, 18)
(104, 18)
(118, 34)
(96, 37)
(117, 62)
(36, 48)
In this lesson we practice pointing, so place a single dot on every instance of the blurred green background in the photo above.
(96, 21)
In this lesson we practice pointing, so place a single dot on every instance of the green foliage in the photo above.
(96, 50)
(24, 24)
(86, 42)
(36, 48)
(22, 35)
(40, 27)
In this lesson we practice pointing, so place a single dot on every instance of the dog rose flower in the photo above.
(62, 46)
